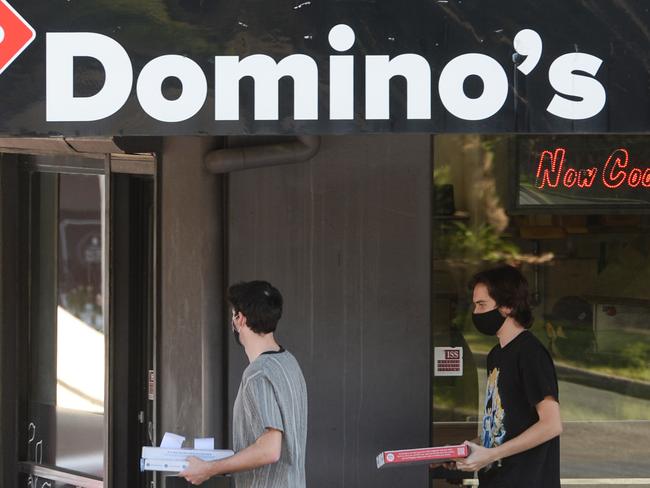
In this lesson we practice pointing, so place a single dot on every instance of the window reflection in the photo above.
(67, 342)
(587, 272)
(80, 324)
(37, 482)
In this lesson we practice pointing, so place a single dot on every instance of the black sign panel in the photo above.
(161, 67)
(583, 171)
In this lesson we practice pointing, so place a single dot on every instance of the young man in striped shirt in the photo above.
(270, 411)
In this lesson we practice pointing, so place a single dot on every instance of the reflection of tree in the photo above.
(465, 241)
(147, 24)
(495, 213)
(483, 239)
(482, 235)
(466, 246)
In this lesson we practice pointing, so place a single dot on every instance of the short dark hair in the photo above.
(508, 287)
(260, 302)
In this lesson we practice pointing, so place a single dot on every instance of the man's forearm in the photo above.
(266, 450)
(547, 427)
(536, 434)
(249, 458)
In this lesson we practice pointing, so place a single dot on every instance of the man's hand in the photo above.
(265, 450)
(198, 471)
(478, 458)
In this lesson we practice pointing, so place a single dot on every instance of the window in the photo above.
(67, 344)
(587, 261)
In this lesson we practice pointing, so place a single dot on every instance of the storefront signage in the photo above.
(448, 361)
(472, 66)
(579, 95)
(151, 385)
(615, 173)
(585, 171)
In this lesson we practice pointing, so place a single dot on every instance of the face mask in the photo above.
(235, 332)
(488, 323)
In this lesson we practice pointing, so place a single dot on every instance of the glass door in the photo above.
(87, 404)
(66, 334)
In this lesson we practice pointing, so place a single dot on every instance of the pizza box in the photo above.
(425, 455)
(182, 453)
(170, 465)
(175, 460)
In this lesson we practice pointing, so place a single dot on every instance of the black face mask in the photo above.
(488, 323)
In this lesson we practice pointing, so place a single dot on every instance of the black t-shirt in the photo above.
(520, 375)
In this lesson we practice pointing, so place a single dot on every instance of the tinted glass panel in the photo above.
(588, 275)
(67, 343)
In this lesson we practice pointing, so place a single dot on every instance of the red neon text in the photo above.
(552, 171)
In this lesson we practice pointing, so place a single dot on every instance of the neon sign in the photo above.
(583, 171)
(616, 172)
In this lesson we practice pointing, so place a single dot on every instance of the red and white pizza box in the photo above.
(426, 455)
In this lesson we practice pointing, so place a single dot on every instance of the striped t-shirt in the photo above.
(272, 395)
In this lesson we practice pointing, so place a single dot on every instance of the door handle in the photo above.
(150, 432)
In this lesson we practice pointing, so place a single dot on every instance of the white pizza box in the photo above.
(171, 465)
(182, 454)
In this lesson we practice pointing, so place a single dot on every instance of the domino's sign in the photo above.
(186, 68)
(15, 35)
(579, 95)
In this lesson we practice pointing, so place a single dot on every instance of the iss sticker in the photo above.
(448, 361)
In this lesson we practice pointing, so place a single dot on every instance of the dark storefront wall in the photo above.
(346, 239)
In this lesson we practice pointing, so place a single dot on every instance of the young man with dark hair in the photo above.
(270, 411)
(521, 423)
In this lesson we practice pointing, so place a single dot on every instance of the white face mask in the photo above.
(235, 332)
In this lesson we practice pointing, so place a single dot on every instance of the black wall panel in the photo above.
(346, 239)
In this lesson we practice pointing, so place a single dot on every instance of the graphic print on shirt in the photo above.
(494, 430)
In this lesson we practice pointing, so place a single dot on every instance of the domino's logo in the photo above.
(15, 35)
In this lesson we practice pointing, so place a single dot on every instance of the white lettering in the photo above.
(229, 70)
(452, 93)
(379, 71)
(341, 38)
(563, 78)
(61, 104)
(579, 95)
(528, 43)
(195, 88)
